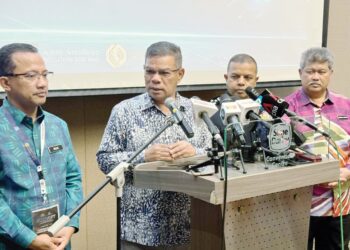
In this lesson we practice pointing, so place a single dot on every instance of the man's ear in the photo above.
(225, 76)
(300, 71)
(4, 82)
(181, 73)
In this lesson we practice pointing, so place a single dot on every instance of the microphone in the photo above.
(277, 107)
(229, 114)
(249, 110)
(179, 118)
(204, 110)
(253, 94)
(227, 98)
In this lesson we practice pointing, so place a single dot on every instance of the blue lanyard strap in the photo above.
(35, 159)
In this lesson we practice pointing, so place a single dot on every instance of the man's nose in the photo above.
(42, 81)
(156, 77)
(241, 80)
(315, 76)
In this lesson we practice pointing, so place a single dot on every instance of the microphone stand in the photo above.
(213, 153)
(238, 151)
(116, 176)
(260, 149)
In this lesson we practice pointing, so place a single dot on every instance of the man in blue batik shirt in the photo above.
(153, 219)
(40, 177)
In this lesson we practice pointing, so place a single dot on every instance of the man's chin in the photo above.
(315, 88)
(242, 95)
(158, 98)
(40, 101)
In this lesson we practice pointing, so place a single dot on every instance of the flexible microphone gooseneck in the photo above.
(179, 118)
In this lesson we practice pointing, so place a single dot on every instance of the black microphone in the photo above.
(227, 98)
(277, 107)
(205, 110)
(253, 94)
(179, 118)
(229, 114)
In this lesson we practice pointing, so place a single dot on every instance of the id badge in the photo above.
(44, 217)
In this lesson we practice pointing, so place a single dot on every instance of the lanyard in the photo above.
(32, 155)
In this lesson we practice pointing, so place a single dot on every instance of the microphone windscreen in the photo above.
(273, 106)
(252, 93)
(228, 98)
(200, 106)
(169, 102)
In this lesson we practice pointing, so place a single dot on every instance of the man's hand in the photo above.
(181, 149)
(158, 152)
(63, 236)
(343, 177)
(162, 152)
(43, 242)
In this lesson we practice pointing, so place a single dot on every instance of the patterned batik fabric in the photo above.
(149, 217)
(326, 201)
(333, 117)
(19, 181)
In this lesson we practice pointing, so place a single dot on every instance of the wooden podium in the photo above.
(266, 209)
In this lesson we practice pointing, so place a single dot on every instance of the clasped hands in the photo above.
(169, 152)
(58, 242)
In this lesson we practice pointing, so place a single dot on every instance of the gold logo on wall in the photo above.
(115, 55)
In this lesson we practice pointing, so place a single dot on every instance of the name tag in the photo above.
(54, 149)
(43, 218)
(342, 117)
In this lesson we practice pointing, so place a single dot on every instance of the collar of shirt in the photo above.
(20, 117)
(305, 100)
(149, 102)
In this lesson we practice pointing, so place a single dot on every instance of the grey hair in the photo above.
(317, 55)
(6, 64)
(165, 49)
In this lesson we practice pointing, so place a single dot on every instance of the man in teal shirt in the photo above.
(40, 177)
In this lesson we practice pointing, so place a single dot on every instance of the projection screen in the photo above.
(100, 44)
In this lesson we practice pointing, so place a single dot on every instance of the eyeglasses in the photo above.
(164, 73)
(32, 75)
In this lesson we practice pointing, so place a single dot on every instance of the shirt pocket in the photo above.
(55, 161)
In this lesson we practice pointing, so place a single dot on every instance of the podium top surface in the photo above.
(171, 176)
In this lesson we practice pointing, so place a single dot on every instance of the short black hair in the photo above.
(242, 58)
(6, 64)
